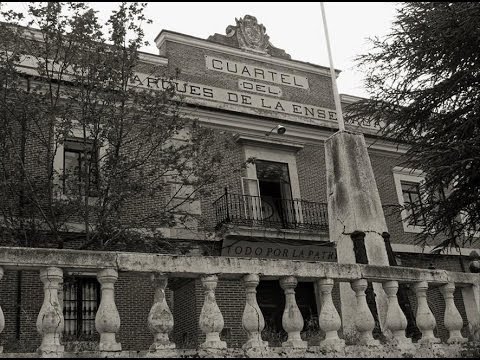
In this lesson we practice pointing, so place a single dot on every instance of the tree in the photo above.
(69, 82)
(423, 79)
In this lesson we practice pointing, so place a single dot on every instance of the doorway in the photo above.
(275, 192)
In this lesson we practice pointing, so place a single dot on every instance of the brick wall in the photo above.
(234, 157)
(191, 61)
(312, 173)
(185, 314)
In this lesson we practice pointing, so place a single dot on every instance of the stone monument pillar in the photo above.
(354, 205)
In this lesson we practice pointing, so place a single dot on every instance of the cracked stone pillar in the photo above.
(107, 320)
(354, 205)
(425, 320)
(292, 320)
(160, 318)
(452, 319)
(211, 319)
(329, 320)
(50, 322)
(252, 321)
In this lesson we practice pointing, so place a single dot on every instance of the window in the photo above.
(79, 167)
(412, 202)
(407, 184)
(81, 296)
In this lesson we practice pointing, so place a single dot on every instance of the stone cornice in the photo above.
(166, 35)
(250, 126)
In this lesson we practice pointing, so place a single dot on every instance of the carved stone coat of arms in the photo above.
(250, 34)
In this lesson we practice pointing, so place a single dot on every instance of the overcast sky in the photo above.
(295, 27)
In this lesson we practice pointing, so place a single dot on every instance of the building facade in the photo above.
(279, 111)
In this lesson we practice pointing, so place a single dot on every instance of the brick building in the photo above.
(240, 84)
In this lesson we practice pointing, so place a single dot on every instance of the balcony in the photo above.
(51, 265)
(267, 212)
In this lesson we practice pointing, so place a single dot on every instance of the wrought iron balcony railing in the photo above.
(266, 211)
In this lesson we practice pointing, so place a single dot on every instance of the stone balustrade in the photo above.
(51, 264)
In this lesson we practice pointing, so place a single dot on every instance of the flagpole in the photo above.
(338, 107)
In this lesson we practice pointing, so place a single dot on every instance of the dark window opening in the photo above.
(81, 297)
(413, 203)
(275, 192)
(80, 168)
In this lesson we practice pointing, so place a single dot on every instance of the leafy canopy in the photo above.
(424, 84)
(143, 161)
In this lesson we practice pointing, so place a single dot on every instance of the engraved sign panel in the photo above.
(255, 72)
(264, 89)
(237, 101)
(261, 249)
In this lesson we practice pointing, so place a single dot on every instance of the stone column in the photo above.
(252, 320)
(329, 320)
(160, 318)
(354, 205)
(424, 317)
(453, 320)
(292, 320)
(472, 308)
(2, 318)
(396, 321)
(50, 322)
(363, 319)
(107, 320)
(211, 319)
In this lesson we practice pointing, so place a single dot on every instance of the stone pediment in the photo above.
(250, 36)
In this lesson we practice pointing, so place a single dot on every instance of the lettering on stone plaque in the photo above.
(255, 72)
(264, 89)
(259, 249)
(233, 100)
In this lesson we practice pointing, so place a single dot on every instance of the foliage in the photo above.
(424, 85)
(66, 76)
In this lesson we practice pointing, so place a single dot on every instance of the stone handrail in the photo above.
(52, 263)
(229, 267)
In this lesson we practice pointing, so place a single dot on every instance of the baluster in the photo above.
(453, 320)
(50, 322)
(2, 318)
(396, 321)
(160, 318)
(107, 320)
(329, 319)
(211, 319)
(292, 320)
(364, 320)
(252, 320)
(424, 316)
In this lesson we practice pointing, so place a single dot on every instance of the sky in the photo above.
(295, 27)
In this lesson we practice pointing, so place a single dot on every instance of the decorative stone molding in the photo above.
(250, 34)
(453, 320)
(329, 319)
(424, 316)
(211, 319)
(107, 320)
(252, 321)
(50, 322)
(292, 320)
(364, 320)
(396, 321)
(160, 318)
(2, 318)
